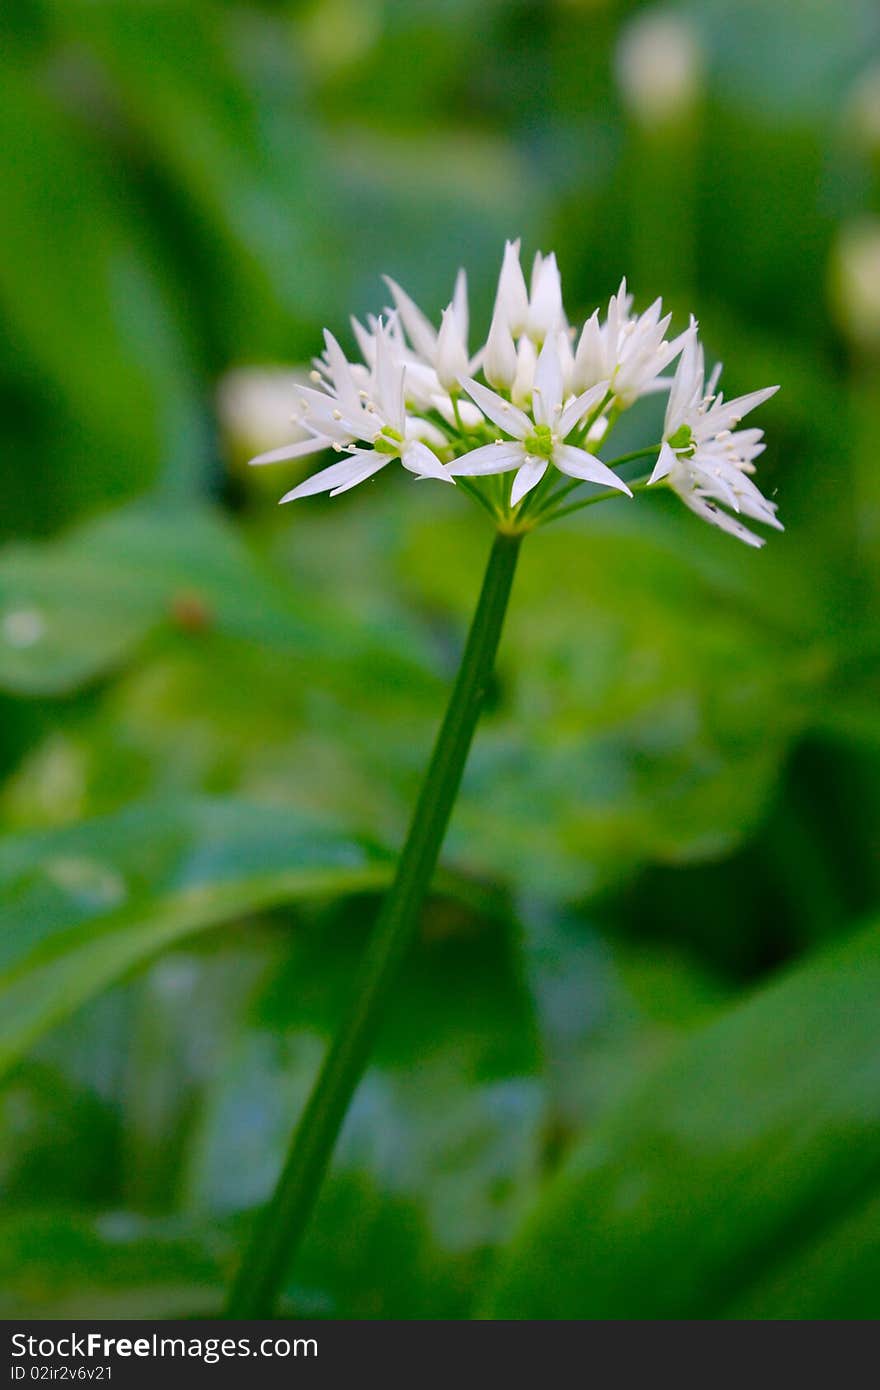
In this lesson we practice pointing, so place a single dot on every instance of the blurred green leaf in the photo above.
(788, 57)
(231, 184)
(623, 728)
(85, 904)
(111, 1265)
(833, 1275)
(89, 315)
(676, 776)
(74, 608)
(629, 727)
(739, 1158)
(441, 1140)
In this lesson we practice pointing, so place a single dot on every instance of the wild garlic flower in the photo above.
(659, 65)
(356, 407)
(704, 457)
(538, 439)
(628, 351)
(549, 397)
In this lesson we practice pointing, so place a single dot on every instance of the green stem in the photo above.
(281, 1227)
(561, 493)
(473, 490)
(549, 516)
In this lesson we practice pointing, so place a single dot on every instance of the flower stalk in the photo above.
(550, 395)
(282, 1224)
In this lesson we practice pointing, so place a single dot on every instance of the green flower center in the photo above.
(389, 441)
(540, 442)
(682, 441)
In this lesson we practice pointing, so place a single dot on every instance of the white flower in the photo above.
(704, 458)
(855, 282)
(659, 68)
(524, 380)
(629, 351)
(546, 315)
(521, 321)
(512, 297)
(253, 405)
(863, 109)
(435, 360)
(552, 396)
(499, 355)
(537, 440)
(349, 404)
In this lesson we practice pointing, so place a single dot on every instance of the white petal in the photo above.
(528, 477)
(419, 459)
(506, 416)
(566, 362)
(512, 298)
(452, 358)
(499, 357)
(500, 457)
(577, 463)
(712, 384)
(470, 416)
(338, 474)
(547, 386)
(589, 362)
(687, 384)
(579, 407)
(343, 380)
(367, 469)
(716, 517)
(752, 502)
(545, 302)
(666, 461)
(364, 340)
(320, 413)
(389, 381)
(616, 316)
(421, 334)
(299, 450)
(425, 431)
(460, 305)
(729, 413)
(526, 362)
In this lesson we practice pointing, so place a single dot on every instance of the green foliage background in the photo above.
(634, 1065)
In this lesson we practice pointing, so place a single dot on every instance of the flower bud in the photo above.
(526, 361)
(545, 300)
(451, 359)
(512, 299)
(855, 283)
(659, 68)
(863, 111)
(499, 358)
(256, 407)
(589, 362)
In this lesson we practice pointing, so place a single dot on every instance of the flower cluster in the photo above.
(548, 399)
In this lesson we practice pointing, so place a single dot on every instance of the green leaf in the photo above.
(249, 232)
(115, 1264)
(74, 608)
(440, 1142)
(84, 905)
(628, 727)
(753, 1154)
(104, 344)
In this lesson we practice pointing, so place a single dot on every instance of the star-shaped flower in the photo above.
(351, 405)
(537, 440)
(704, 457)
